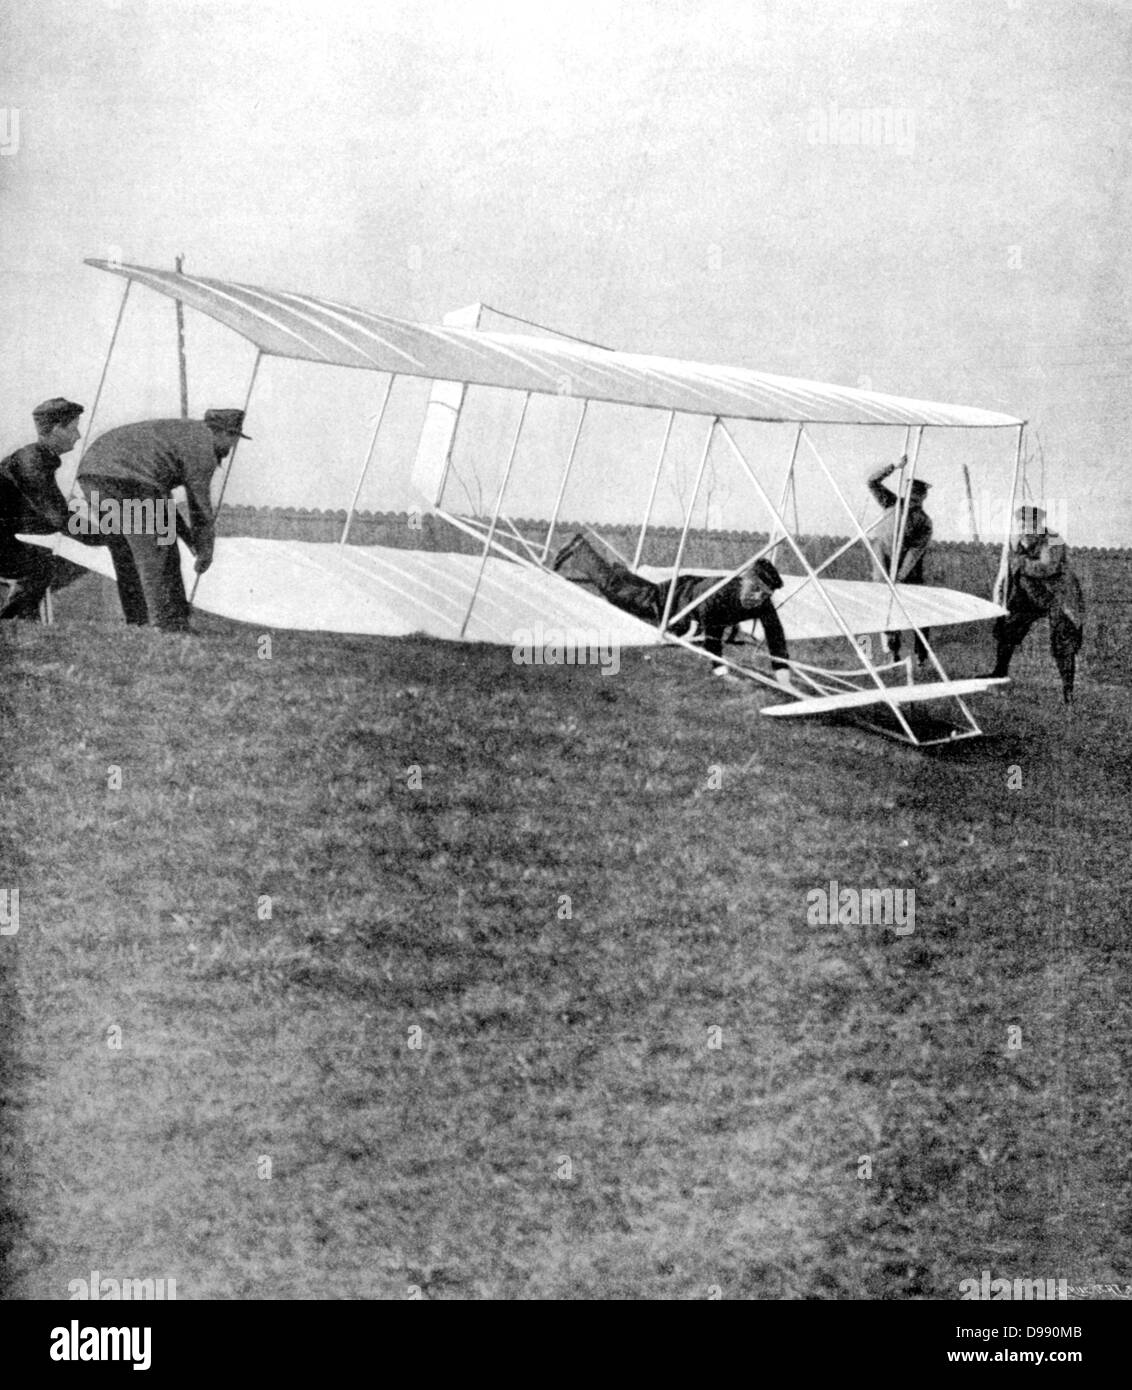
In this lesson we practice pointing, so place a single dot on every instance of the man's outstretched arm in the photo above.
(774, 634)
(884, 495)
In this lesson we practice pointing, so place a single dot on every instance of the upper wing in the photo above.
(320, 330)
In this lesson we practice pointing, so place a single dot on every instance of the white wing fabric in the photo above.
(866, 606)
(374, 590)
(285, 324)
(380, 591)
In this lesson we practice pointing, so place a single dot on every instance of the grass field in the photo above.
(553, 1022)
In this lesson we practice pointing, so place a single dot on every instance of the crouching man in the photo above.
(744, 597)
(137, 467)
(31, 504)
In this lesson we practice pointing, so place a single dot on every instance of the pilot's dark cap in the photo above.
(57, 411)
(767, 571)
(919, 488)
(226, 422)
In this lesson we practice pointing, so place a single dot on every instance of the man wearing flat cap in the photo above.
(143, 463)
(31, 504)
(1040, 584)
(913, 544)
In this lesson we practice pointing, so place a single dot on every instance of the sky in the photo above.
(680, 177)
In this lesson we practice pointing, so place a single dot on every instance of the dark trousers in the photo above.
(150, 587)
(1065, 637)
(26, 572)
(893, 639)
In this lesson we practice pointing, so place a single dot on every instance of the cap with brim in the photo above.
(57, 411)
(920, 487)
(226, 422)
(767, 571)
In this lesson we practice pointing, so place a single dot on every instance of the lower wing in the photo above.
(866, 606)
(380, 591)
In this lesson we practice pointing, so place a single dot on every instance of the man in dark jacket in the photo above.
(140, 465)
(31, 504)
(745, 596)
(913, 544)
(1041, 584)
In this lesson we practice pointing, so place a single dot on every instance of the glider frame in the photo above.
(346, 326)
(825, 682)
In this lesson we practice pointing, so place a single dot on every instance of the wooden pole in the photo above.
(231, 461)
(970, 502)
(495, 516)
(999, 592)
(368, 460)
(788, 490)
(105, 369)
(565, 478)
(671, 594)
(652, 491)
(89, 435)
(182, 364)
(47, 611)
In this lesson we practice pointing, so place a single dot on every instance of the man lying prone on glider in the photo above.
(744, 597)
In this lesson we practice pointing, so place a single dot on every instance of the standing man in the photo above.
(31, 504)
(913, 545)
(1040, 584)
(144, 463)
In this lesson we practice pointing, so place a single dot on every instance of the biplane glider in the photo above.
(510, 584)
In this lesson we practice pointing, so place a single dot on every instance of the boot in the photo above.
(1067, 685)
(1001, 663)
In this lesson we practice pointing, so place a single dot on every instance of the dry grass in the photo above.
(566, 1126)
